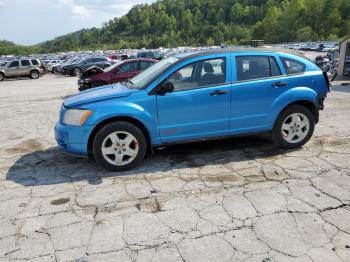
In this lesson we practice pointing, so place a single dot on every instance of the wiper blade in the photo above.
(130, 82)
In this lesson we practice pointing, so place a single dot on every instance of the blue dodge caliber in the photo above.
(195, 96)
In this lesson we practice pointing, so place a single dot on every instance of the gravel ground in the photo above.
(239, 199)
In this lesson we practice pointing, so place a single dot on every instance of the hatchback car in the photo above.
(24, 67)
(119, 72)
(191, 97)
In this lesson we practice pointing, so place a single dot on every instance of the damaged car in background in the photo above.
(119, 72)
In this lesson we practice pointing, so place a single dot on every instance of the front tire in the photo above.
(2, 77)
(34, 74)
(294, 127)
(119, 146)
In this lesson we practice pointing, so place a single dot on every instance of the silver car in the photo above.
(22, 67)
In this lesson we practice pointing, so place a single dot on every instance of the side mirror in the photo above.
(166, 87)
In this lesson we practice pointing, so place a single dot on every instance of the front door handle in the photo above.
(279, 84)
(218, 93)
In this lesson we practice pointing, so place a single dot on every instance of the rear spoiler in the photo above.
(327, 80)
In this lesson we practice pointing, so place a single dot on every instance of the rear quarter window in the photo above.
(293, 66)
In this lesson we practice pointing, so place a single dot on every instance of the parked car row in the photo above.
(78, 66)
(76, 63)
(316, 47)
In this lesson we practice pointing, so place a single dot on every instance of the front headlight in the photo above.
(76, 117)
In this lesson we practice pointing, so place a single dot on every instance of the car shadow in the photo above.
(58, 75)
(12, 79)
(47, 167)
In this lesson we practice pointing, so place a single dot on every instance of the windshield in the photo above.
(3, 64)
(110, 68)
(142, 80)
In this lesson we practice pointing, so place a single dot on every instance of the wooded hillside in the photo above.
(170, 23)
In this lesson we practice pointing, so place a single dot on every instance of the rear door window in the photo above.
(256, 67)
(293, 66)
(25, 62)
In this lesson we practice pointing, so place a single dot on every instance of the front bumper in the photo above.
(73, 139)
(84, 84)
(65, 70)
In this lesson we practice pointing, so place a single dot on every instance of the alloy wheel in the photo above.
(120, 148)
(35, 75)
(295, 128)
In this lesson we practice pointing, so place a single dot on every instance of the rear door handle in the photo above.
(279, 84)
(218, 93)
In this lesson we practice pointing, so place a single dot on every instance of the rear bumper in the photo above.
(320, 101)
(73, 139)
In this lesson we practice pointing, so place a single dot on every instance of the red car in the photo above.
(118, 72)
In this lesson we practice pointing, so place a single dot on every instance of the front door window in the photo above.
(200, 74)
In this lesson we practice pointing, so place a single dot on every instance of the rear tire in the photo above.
(34, 74)
(119, 146)
(2, 77)
(294, 127)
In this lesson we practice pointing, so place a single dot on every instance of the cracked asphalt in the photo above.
(239, 199)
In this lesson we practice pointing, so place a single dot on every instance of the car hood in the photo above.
(98, 94)
(92, 70)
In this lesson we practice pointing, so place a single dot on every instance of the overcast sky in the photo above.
(29, 22)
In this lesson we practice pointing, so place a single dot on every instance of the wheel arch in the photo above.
(303, 96)
(34, 69)
(309, 105)
(128, 119)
